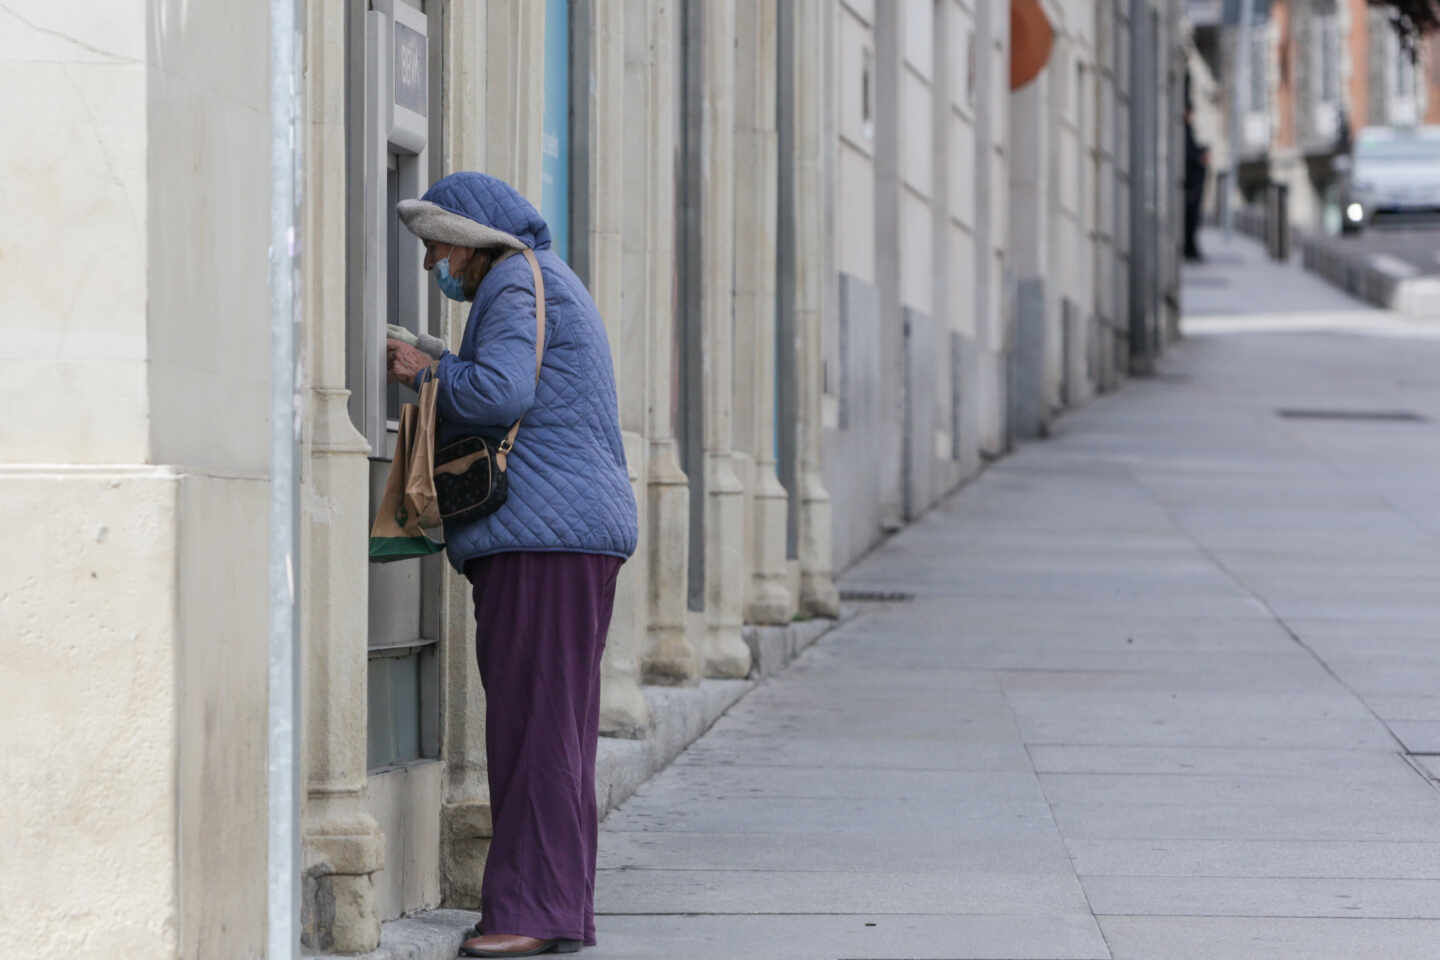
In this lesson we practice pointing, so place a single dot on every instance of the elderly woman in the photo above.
(543, 566)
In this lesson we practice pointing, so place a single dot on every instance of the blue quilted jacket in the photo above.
(569, 486)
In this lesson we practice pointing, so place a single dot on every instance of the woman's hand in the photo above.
(403, 361)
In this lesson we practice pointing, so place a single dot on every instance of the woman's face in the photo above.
(435, 251)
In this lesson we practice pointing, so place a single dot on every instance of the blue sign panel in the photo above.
(1259, 11)
(555, 128)
(410, 70)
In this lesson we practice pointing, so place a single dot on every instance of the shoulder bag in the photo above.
(470, 480)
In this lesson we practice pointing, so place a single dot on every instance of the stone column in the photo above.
(767, 595)
(725, 652)
(888, 440)
(992, 86)
(512, 35)
(472, 122)
(818, 595)
(1031, 134)
(672, 655)
(342, 845)
(602, 207)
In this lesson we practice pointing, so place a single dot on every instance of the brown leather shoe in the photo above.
(513, 945)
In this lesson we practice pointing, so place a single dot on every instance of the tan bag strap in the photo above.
(508, 443)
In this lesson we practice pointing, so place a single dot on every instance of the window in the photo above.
(1326, 50)
(1259, 70)
(1320, 49)
(388, 123)
(970, 70)
(867, 92)
(1401, 83)
(1404, 74)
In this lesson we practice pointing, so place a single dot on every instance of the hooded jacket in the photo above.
(569, 487)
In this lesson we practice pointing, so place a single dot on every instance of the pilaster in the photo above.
(992, 86)
(768, 598)
(672, 653)
(818, 595)
(511, 34)
(342, 844)
(608, 263)
(473, 121)
(726, 654)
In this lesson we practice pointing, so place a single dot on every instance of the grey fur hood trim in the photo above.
(430, 221)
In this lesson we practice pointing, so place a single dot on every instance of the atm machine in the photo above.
(392, 83)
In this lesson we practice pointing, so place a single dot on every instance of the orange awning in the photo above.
(1031, 38)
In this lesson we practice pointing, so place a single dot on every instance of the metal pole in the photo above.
(1239, 104)
(283, 755)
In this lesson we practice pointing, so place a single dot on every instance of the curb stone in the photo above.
(1378, 279)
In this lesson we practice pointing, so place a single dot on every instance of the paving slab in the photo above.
(928, 814)
(1286, 859)
(1099, 720)
(1299, 820)
(1368, 766)
(1421, 707)
(1383, 793)
(827, 937)
(984, 851)
(1387, 898)
(737, 892)
(1418, 736)
(1246, 938)
(826, 783)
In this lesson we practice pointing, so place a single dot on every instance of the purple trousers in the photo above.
(541, 621)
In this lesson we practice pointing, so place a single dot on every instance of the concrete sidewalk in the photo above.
(1165, 689)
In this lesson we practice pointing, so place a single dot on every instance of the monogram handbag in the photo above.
(470, 478)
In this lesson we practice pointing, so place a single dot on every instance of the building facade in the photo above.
(841, 263)
(1318, 71)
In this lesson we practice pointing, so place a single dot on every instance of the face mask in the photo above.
(449, 284)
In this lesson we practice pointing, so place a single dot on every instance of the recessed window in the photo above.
(1327, 49)
(1259, 72)
(970, 70)
(867, 92)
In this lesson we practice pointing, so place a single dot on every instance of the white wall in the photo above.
(221, 628)
(992, 179)
(961, 28)
(132, 254)
(1070, 75)
(853, 329)
(209, 131)
(88, 713)
(855, 216)
(72, 236)
(917, 265)
(956, 302)
(87, 708)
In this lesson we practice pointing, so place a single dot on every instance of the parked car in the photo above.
(1394, 172)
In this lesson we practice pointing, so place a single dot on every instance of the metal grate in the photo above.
(1381, 416)
(875, 596)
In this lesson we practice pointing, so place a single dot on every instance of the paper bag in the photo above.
(408, 507)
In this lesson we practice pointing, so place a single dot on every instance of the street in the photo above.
(1415, 244)
(1166, 686)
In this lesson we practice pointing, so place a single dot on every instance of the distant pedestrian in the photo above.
(1197, 165)
(543, 566)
